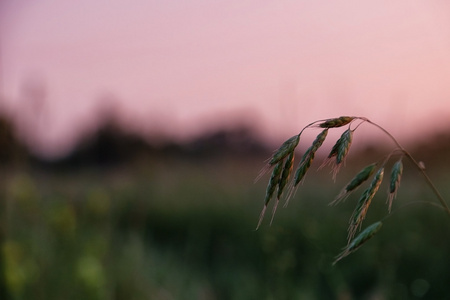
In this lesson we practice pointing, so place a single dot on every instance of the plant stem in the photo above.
(419, 167)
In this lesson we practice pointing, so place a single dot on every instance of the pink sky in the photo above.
(184, 66)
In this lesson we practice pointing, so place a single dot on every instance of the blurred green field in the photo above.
(185, 229)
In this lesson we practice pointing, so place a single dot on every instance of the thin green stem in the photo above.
(309, 125)
(409, 204)
(418, 165)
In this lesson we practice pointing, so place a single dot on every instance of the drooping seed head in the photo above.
(362, 176)
(363, 204)
(359, 179)
(396, 175)
(344, 146)
(284, 150)
(273, 183)
(319, 140)
(339, 151)
(303, 166)
(336, 122)
(335, 148)
(359, 240)
(308, 157)
(286, 174)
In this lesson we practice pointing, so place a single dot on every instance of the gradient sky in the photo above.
(178, 67)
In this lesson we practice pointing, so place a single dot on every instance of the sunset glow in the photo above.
(181, 67)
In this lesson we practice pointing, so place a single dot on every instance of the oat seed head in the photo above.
(273, 183)
(359, 179)
(396, 175)
(362, 176)
(282, 160)
(308, 157)
(303, 167)
(336, 122)
(319, 139)
(285, 175)
(362, 207)
(344, 146)
(284, 150)
(359, 240)
(339, 152)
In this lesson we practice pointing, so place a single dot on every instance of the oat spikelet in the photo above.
(308, 157)
(303, 167)
(336, 122)
(359, 179)
(284, 150)
(358, 241)
(305, 163)
(396, 176)
(319, 139)
(273, 183)
(339, 151)
(363, 204)
(300, 173)
(285, 175)
(344, 146)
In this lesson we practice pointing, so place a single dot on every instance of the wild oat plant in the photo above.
(283, 179)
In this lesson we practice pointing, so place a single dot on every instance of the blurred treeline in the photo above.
(122, 218)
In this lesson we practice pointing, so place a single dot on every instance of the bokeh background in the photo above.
(131, 135)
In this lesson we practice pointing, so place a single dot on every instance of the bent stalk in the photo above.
(418, 166)
(284, 157)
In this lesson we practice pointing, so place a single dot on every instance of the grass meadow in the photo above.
(173, 228)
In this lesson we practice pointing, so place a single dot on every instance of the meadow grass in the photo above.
(178, 229)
